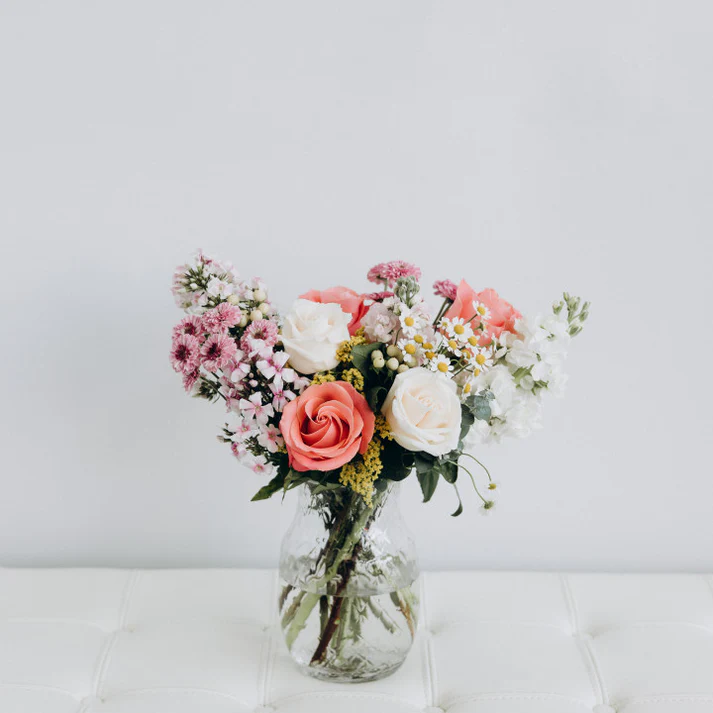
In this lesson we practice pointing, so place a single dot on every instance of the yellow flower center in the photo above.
(409, 321)
(476, 372)
(480, 359)
(410, 349)
(481, 310)
(453, 344)
(459, 329)
(428, 346)
(473, 341)
(443, 366)
(467, 388)
(430, 355)
(418, 339)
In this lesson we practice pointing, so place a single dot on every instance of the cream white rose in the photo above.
(311, 334)
(423, 412)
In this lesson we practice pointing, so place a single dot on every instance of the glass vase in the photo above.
(348, 604)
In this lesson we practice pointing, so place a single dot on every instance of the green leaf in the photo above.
(449, 471)
(274, 486)
(398, 463)
(428, 480)
(460, 503)
(375, 397)
(361, 356)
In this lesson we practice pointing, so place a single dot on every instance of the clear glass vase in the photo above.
(348, 604)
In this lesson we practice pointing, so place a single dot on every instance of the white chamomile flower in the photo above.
(481, 311)
(454, 347)
(411, 319)
(481, 358)
(487, 508)
(411, 351)
(441, 364)
(457, 328)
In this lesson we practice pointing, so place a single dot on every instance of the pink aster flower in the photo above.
(260, 466)
(244, 430)
(389, 272)
(184, 353)
(281, 396)
(217, 352)
(445, 289)
(221, 318)
(239, 450)
(254, 408)
(274, 367)
(259, 335)
(270, 438)
(189, 325)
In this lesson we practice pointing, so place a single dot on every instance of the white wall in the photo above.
(526, 146)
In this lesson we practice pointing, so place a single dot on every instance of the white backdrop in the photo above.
(526, 146)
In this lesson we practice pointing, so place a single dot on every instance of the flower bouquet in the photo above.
(345, 396)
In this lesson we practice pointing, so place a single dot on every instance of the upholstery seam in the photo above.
(105, 657)
(518, 697)
(583, 643)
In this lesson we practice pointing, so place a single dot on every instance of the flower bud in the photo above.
(393, 350)
(255, 315)
(379, 363)
(264, 307)
(392, 364)
(402, 368)
(234, 299)
(259, 295)
(243, 321)
(376, 354)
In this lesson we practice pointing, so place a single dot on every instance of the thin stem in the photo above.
(487, 472)
(472, 479)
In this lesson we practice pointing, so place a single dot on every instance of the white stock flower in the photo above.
(311, 334)
(423, 412)
(380, 323)
(516, 412)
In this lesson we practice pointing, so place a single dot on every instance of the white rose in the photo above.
(311, 334)
(423, 412)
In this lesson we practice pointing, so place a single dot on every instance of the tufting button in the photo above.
(603, 709)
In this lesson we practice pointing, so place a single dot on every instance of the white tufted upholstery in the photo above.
(205, 641)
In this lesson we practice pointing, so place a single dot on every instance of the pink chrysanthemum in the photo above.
(217, 351)
(445, 289)
(389, 272)
(221, 318)
(189, 325)
(258, 335)
(190, 379)
(184, 353)
(378, 296)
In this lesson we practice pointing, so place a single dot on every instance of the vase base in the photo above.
(325, 673)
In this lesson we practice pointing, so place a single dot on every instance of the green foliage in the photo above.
(361, 356)
(398, 463)
(479, 406)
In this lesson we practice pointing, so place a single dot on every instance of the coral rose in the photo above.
(349, 300)
(326, 426)
(502, 314)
